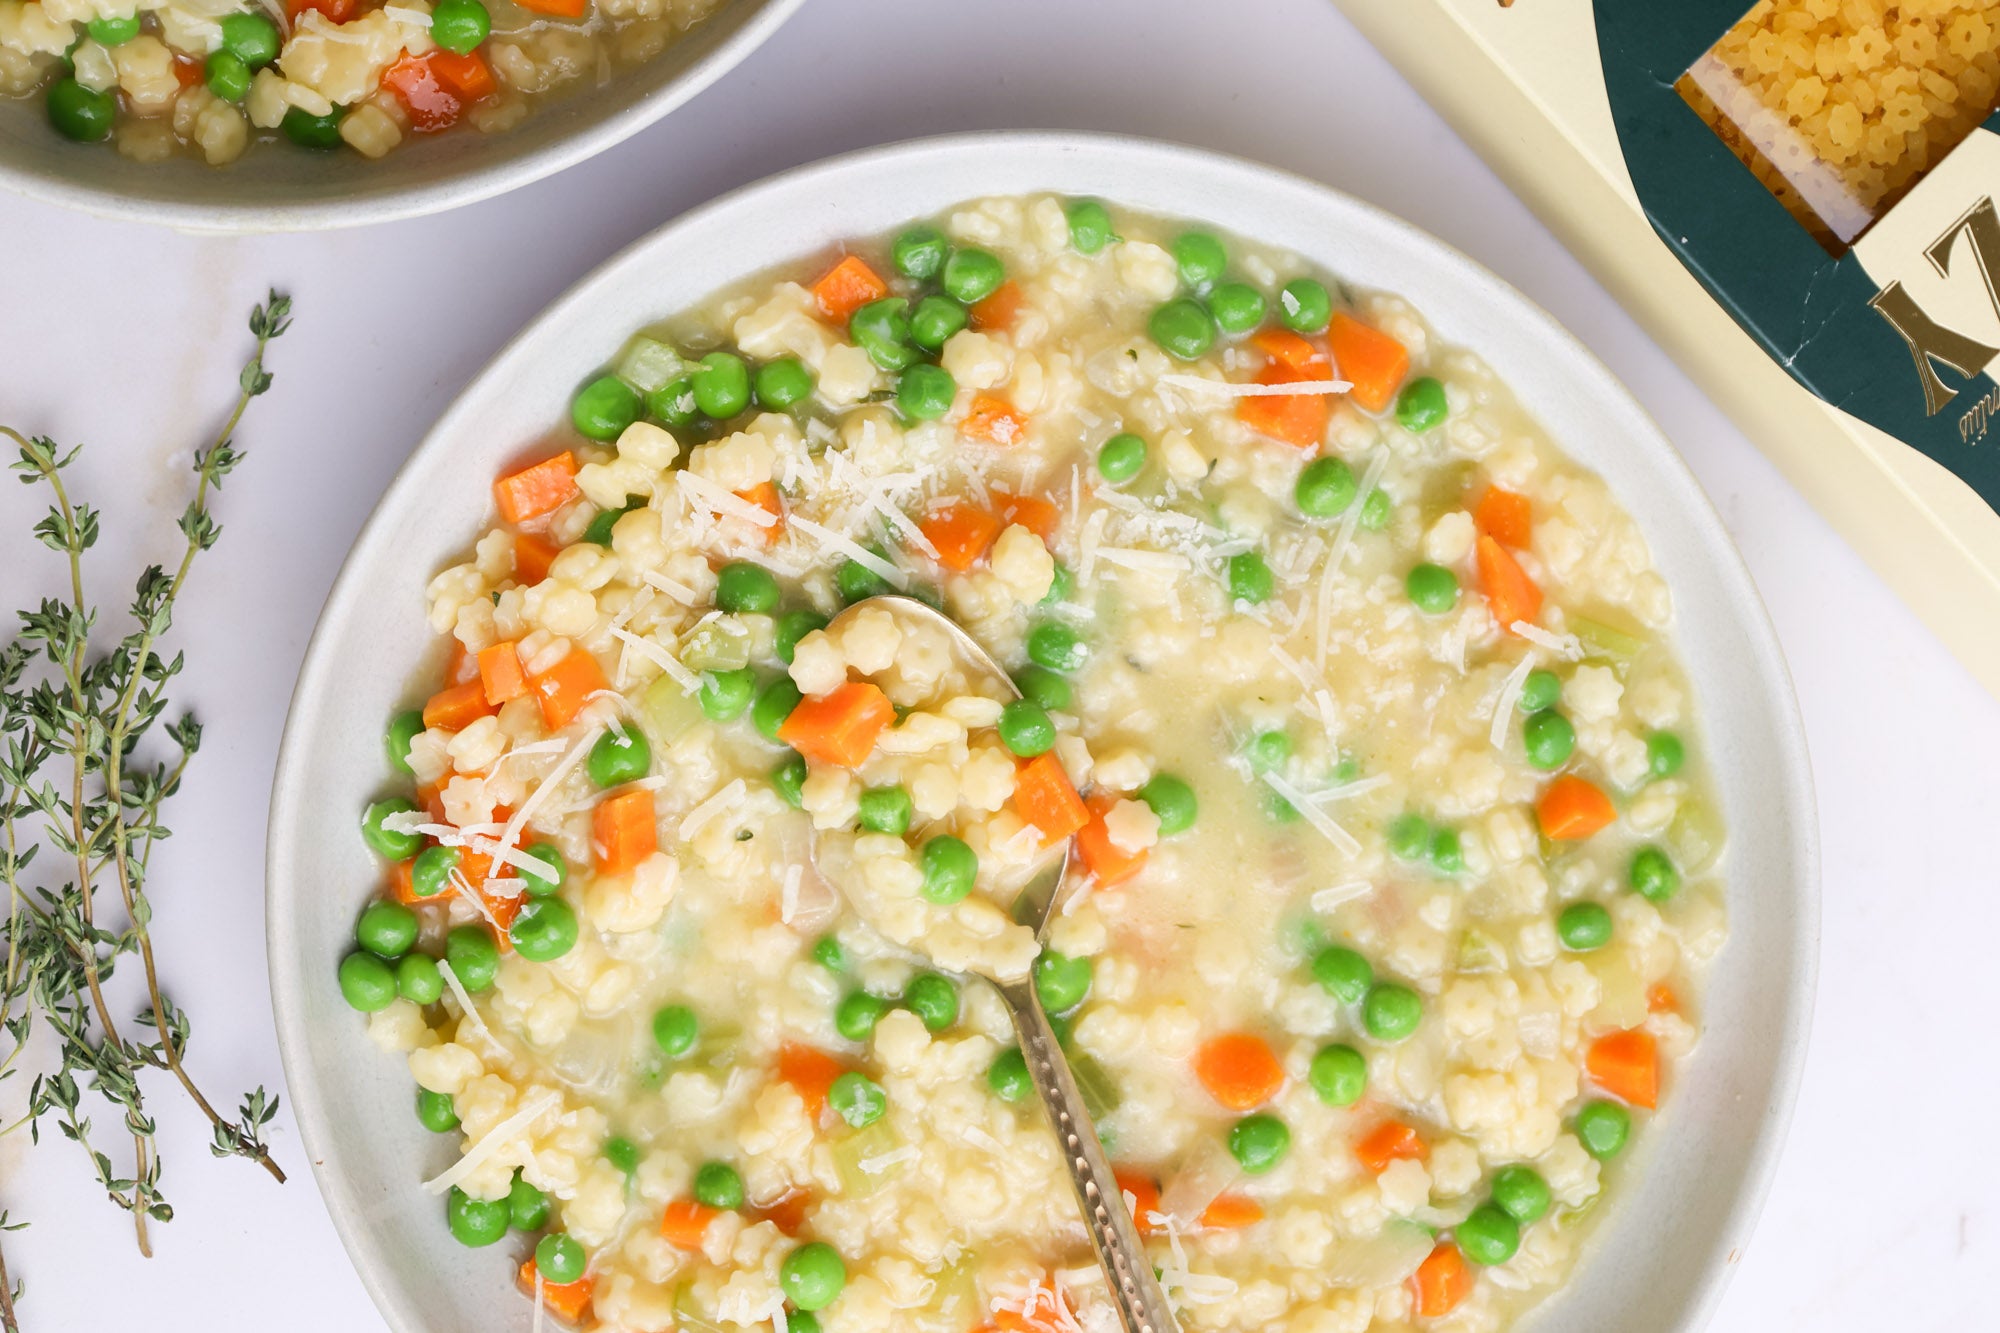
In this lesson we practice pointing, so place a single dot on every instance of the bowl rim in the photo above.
(290, 781)
(468, 185)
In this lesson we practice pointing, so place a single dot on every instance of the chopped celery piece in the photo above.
(1696, 838)
(956, 1287)
(720, 645)
(1477, 952)
(689, 1317)
(648, 364)
(1100, 1093)
(866, 1146)
(1607, 640)
(1304, 937)
(669, 710)
(1621, 987)
(1381, 1260)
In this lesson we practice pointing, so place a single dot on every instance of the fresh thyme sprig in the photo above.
(73, 784)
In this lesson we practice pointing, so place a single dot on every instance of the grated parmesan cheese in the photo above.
(722, 802)
(859, 554)
(1510, 698)
(788, 900)
(724, 502)
(493, 1140)
(1325, 900)
(1323, 622)
(1226, 389)
(659, 657)
(1568, 645)
(1343, 841)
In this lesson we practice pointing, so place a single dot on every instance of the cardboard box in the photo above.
(1864, 371)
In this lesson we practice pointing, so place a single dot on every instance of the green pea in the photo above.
(1062, 982)
(310, 131)
(603, 408)
(460, 25)
(950, 867)
(1391, 1012)
(386, 929)
(717, 1185)
(386, 841)
(1056, 646)
(1043, 686)
(1548, 738)
(1259, 1142)
(774, 705)
(1339, 1075)
(1200, 259)
(925, 392)
(1664, 754)
(81, 113)
(1652, 873)
(1008, 1076)
(1489, 1236)
(227, 76)
(622, 1153)
(1025, 728)
(1409, 838)
(1172, 800)
(527, 1207)
(725, 694)
(886, 810)
(1059, 587)
(795, 625)
(1183, 329)
(920, 253)
(1121, 457)
(1521, 1193)
(812, 1275)
(366, 982)
(1344, 973)
(1250, 578)
(435, 1111)
(430, 874)
(857, 1099)
(783, 383)
(1447, 852)
(418, 979)
(882, 329)
(473, 956)
(1237, 307)
(1583, 927)
(404, 728)
(540, 884)
(789, 778)
(826, 951)
(1325, 487)
(1375, 510)
(721, 385)
(934, 320)
(559, 1259)
(857, 1014)
(675, 1030)
(933, 999)
(856, 581)
(1304, 306)
(619, 756)
(1421, 406)
(1269, 750)
(1603, 1127)
(744, 588)
(972, 275)
(1433, 588)
(1089, 226)
(118, 31)
(1540, 691)
(475, 1222)
(543, 930)
(673, 402)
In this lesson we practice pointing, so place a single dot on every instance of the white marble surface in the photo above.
(127, 339)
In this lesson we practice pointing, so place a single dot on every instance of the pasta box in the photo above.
(1797, 201)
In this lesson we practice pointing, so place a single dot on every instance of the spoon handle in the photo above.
(1142, 1306)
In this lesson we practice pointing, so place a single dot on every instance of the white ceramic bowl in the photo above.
(279, 188)
(1683, 1207)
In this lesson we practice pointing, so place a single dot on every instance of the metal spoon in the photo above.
(1142, 1306)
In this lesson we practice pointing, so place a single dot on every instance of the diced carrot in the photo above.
(1032, 512)
(1288, 349)
(846, 287)
(1510, 593)
(1660, 999)
(961, 532)
(624, 831)
(1442, 1281)
(1239, 1069)
(764, 495)
(1043, 1315)
(569, 1301)
(459, 665)
(1230, 1212)
(1505, 517)
(1296, 418)
(839, 728)
(401, 886)
(997, 311)
(431, 105)
(456, 707)
(566, 687)
(1045, 797)
(563, 9)
(1627, 1065)
(187, 72)
(338, 11)
(685, 1222)
(1572, 808)
(811, 1073)
(500, 673)
(992, 420)
(1390, 1141)
(532, 558)
(788, 1212)
(1105, 859)
(537, 489)
(467, 75)
(1370, 360)
(1145, 1192)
